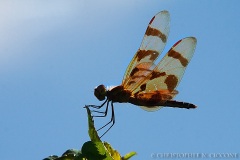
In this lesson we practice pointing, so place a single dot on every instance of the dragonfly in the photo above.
(145, 84)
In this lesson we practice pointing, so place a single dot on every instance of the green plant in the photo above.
(94, 149)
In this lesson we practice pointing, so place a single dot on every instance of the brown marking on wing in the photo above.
(144, 53)
(135, 77)
(171, 81)
(135, 70)
(143, 87)
(155, 74)
(172, 53)
(137, 74)
(130, 83)
(152, 20)
(156, 96)
(176, 43)
(155, 32)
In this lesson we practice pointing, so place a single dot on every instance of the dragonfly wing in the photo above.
(153, 43)
(169, 71)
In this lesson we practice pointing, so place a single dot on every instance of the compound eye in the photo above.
(100, 92)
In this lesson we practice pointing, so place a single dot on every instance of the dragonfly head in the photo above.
(100, 92)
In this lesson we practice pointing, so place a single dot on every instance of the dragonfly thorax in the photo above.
(100, 92)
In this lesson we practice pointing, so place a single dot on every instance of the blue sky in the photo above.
(53, 54)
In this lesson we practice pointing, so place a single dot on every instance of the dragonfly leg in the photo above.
(104, 114)
(97, 107)
(112, 121)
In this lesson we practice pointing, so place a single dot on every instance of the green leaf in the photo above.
(129, 155)
(114, 153)
(94, 149)
(91, 129)
(52, 157)
(71, 152)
